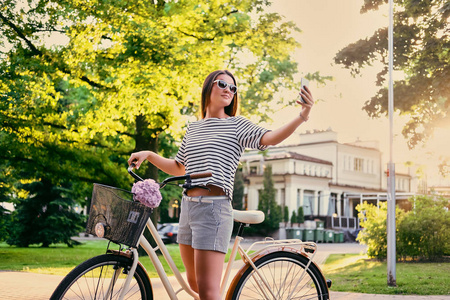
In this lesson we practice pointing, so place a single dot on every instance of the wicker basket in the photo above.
(116, 216)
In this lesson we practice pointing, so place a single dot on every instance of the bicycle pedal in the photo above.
(329, 282)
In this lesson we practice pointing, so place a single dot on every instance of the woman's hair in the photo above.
(206, 93)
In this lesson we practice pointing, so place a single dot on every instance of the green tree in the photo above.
(293, 218)
(421, 52)
(373, 221)
(286, 214)
(124, 83)
(300, 215)
(40, 215)
(238, 191)
(268, 204)
(120, 77)
(424, 231)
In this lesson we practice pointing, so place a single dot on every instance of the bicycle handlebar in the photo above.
(186, 177)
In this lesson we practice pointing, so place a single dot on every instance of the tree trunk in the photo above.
(147, 139)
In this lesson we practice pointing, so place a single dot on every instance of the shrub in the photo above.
(424, 232)
(268, 205)
(293, 218)
(300, 215)
(286, 214)
(373, 221)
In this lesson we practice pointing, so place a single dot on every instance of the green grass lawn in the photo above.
(349, 272)
(60, 259)
(357, 273)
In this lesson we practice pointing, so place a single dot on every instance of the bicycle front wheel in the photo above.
(103, 277)
(281, 275)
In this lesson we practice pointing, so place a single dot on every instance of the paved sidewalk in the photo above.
(31, 286)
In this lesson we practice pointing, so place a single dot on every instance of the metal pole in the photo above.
(391, 240)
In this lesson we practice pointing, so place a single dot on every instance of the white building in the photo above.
(324, 176)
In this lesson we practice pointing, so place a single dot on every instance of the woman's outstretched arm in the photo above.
(277, 136)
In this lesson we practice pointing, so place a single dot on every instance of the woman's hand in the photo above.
(306, 95)
(138, 157)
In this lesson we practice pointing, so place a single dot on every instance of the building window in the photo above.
(308, 203)
(359, 162)
(253, 170)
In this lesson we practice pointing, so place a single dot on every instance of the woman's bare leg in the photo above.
(208, 270)
(187, 255)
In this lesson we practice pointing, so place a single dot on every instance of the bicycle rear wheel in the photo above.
(284, 272)
(102, 277)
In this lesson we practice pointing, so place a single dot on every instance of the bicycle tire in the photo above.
(91, 280)
(280, 269)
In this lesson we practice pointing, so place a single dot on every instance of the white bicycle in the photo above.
(278, 269)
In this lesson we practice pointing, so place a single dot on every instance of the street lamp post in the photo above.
(391, 240)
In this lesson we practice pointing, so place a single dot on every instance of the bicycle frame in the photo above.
(268, 245)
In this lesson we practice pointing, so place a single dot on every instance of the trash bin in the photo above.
(289, 233)
(328, 236)
(308, 235)
(320, 224)
(318, 235)
(338, 237)
(298, 233)
(341, 237)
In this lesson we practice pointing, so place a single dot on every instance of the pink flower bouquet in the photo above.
(147, 192)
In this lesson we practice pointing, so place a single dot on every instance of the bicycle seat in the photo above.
(248, 216)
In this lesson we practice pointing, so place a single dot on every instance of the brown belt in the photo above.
(213, 191)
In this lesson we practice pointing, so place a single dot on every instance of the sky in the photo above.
(328, 26)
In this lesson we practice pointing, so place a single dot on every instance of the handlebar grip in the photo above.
(201, 175)
(131, 167)
(134, 175)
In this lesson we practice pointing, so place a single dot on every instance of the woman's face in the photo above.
(221, 98)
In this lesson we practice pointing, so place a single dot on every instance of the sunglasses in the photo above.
(223, 85)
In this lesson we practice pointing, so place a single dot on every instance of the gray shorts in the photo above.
(206, 223)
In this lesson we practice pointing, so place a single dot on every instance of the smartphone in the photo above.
(304, 82)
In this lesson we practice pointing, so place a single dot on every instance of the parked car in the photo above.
(168, 232)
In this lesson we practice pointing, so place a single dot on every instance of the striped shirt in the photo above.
(216, 145)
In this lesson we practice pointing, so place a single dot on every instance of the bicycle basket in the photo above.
(115, 216)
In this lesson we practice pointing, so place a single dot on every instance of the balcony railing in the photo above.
(343, 222)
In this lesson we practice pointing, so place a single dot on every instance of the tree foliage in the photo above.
(420, 233)
(41, 216)
(268, 205)
(238, 191)
(374, 233)
(300, 215)
(286, 214)
(421, 52)
(84, 84)
(424, 232)
(293, 218)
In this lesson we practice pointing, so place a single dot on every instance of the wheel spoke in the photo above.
(286, 278)
(101, 278)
